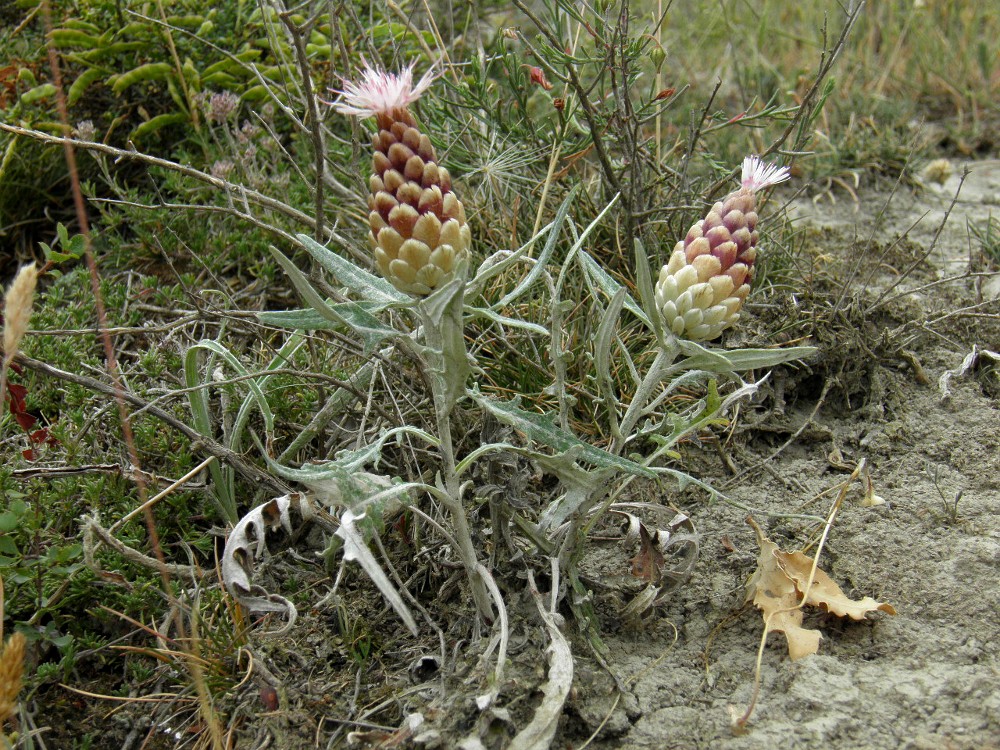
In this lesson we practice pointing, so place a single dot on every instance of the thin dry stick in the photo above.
(159, 496)
(882, 298)
(827, 384)
(315, 121)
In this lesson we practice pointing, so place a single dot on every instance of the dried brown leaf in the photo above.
(824, 592)
(649, 562)
(777, 588)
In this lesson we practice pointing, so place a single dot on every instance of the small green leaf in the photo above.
(82, 83)
(9, 521)
(158, 123)
(63, 38)
(39, 92)
(149, 72)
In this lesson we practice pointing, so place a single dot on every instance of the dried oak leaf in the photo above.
(777, 586)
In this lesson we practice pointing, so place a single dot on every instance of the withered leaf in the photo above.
(777, 587)
(649, 562)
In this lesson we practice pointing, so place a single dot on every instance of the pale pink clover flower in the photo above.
(382, 92)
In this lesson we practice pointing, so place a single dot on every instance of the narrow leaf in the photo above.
(719, 360)
(353, 317)
(609, 286)
(546, 253)
(644, 283)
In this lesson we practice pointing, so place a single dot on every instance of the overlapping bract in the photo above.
(701, 289)
(419, 233)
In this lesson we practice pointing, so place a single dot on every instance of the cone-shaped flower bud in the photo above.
(418, 230)
(702, 288)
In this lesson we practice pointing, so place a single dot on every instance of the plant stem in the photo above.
(664, 358)
(448, 368)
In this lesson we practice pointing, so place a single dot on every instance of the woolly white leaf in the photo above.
(356, 549)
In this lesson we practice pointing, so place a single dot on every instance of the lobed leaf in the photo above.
(364, 284)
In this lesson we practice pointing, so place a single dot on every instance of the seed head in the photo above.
(11, 670)
(702, 287)
(17, 309)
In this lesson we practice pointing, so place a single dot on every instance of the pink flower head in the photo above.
(380, 92)
(758, 174)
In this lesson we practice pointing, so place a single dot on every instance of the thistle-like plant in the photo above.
(421, 245)
(421, 242)
(418, 229)
(701, 289)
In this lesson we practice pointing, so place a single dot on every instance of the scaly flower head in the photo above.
(702, 288)
(419, 233)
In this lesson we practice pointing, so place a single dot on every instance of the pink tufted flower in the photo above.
(419, 233)
(702, 288)
(380, 92)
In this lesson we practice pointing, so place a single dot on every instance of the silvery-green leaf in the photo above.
(542, 429)
(603, 341)
(348, 461)
(364, 284)
(309, 319)
(609, 286)
(444, 334)
(644, 284)
(485, 312)
(349, 315)
(355, 549)
(546, 253)
(736, 360)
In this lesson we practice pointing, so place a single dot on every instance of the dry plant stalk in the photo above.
(11, 670)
